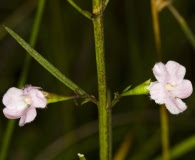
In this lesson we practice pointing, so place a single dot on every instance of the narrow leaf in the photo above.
(46, 64)
(181, 148)
(127, 88)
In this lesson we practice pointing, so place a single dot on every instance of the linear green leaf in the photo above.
(181, 148)
(46, 64)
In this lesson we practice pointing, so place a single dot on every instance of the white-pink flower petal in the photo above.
(175, 105)
(157, 92)
(28, 117)
(183, 89)
(12, 114)
(11, 101)
(38, 99)
(160, 72)
(176, 72)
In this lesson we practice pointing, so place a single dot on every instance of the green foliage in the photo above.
(65, 39)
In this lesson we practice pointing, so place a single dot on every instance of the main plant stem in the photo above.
(103, 110)
(163, 111)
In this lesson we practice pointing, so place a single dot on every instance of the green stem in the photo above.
(6, 139)
(156, 30)
(165, 133)
(163, 111)
(183, 24)
(83, 12)
(22, 80)
(104, 111)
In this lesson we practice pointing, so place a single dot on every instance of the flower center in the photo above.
(27, 100)
(169, 87)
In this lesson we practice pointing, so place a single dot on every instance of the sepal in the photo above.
(52, 97)
(138, 90)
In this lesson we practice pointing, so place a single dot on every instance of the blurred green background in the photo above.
(66, 39)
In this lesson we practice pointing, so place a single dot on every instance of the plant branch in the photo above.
(83, 12)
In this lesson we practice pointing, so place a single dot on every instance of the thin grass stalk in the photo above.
(156, 30)
(32, 41)
(183, 24)
(18, 15)
(165, 133)
(163, 111)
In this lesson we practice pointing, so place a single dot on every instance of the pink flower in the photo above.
(22, 103)
(170, 86)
